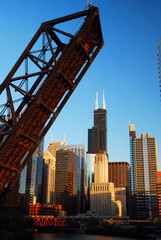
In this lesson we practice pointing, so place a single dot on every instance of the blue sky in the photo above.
(126, 68)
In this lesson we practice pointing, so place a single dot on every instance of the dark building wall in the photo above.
(95, 139)
(89, 140)
(97, 136)
(100, 118)
(66, 180)
(119, 174)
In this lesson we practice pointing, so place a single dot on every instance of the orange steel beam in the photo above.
(53, 79)
(51, 221)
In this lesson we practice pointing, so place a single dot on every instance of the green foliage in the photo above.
(111, 229)
(15, 226)
(110, 221)
(60, 213)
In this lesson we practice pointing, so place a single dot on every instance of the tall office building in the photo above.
(28, 188)
(159, 62)
(144, 167)
(102, 195)
(89, 175)
(48, 178)
(90, 158)
(34, 176)
(97, 136)
(101, 168)
(159, 193)
(79, 149)
(97, 143)
(53, 147)
(120, 195)
(119, 174)
(66, 180)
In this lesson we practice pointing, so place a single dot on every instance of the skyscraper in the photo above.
(34, 176)
(28, 188)
(48, 178)
(144, 167)
(159, 193)
(159, 62)
(79, 149)
(119, 174)
(97, 143)
(53, 147)
(102, 195)
(89, 175)
(101, 168)
(66, 180)
(97, 136)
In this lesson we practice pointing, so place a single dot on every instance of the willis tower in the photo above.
(97, 136)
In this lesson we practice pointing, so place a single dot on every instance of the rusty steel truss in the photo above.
(46, 221)
(39, 85)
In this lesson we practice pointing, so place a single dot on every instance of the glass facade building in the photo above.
(48, 178)
(28, 188)
(90, 158)
(66, 180)
(159, 193)
(144, 167)
(97, 136)
(132, 136)
(34, 176)
(79, 150)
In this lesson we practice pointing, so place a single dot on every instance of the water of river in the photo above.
(64, 236)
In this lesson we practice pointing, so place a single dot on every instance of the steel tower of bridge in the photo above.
(36, 96)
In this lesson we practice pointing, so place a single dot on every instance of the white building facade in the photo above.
(102, 196)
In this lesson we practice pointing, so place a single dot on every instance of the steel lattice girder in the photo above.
(52, 86)
(49, 221)
(43, 221)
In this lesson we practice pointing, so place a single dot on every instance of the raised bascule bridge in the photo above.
(39, 85)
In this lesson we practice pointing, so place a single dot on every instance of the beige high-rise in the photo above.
(48, 178)
(53, 147)
(102, 194)
(101, 168)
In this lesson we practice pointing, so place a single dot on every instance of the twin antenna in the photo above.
(96, 102)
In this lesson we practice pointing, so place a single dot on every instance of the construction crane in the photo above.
(35, 98)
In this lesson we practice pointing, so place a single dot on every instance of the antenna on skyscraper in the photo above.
(96, 102)
(104, 103)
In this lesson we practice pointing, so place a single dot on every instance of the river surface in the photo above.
(64, 236)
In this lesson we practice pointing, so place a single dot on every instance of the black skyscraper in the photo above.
(97, 136)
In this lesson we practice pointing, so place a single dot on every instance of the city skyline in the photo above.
(126, 69)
